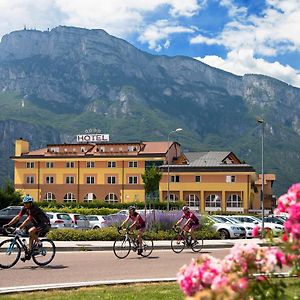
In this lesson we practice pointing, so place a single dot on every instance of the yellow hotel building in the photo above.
(206, 181)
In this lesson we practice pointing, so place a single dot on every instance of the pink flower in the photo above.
(261, 278)
(255, 231)
(280, 256)
(243, 283)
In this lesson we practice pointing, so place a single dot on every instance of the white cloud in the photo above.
(274, 32)
(118, 17)
(242, 62)
(160, 32)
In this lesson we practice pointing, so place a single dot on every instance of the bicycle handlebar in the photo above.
(8, 229)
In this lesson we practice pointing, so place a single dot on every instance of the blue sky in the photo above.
(239, 36)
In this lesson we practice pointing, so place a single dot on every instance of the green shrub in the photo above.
(111, 233)
(83, 210)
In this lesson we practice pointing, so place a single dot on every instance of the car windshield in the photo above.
(217, 220)
(233, 220)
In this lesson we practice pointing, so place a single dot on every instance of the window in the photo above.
(29, 179)
(192, 200)
(49, 179)
(132, 164)
(132, 180)
(174, 178)
(69, 197)
(111, 198)
(132, 148)
(49, 197)
(30, 165)
(213, 201)
(230, 178)
(70, 164)
(70, 180)
(89, 197)
(49, 165)
(90, 180)
(111, 164)
(197, 178)
(111, 180)
(234, 200)
(172, 197)
(90, 164)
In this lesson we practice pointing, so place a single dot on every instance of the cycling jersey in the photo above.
(191, 215)
(137, 217)
(35, 215)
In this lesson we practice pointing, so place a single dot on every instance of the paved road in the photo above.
(69, 267)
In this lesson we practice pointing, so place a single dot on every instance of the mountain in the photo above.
(56, 84)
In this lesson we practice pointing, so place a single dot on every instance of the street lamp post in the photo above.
(262, 195)
(168, 186)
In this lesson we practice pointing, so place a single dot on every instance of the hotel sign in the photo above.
(92, 138)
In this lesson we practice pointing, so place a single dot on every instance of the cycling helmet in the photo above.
(27, 199)
(131, 208)
(185, 208)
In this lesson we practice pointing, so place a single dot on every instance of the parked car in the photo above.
(275, 220)
(248, 227)
(80, 221)
(247, 220)
(60, 220)
(6, 214)
(227, 230)
(96, 221)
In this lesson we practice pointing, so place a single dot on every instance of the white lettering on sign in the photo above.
(89, 138)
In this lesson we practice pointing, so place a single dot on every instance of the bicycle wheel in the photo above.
(147, 247)
(177, 244)
(10, 253)
(43, 255)
(121, 247)
(197, 247)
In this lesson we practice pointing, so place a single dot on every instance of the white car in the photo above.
(60, 220)
(230, 220)
(96, 221)
(248, 220)
(227, 230)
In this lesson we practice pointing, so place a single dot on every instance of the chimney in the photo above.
(21, 147)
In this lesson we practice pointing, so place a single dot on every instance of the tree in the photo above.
(9, 196)
(151, 179)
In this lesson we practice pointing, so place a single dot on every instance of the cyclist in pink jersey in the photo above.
(191, 224)
(137, 224)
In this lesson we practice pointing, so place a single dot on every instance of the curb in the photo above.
(156, 247)
(71, 285)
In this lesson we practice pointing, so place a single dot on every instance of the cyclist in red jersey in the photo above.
(137, 224)
(191, 224)
(40, 221)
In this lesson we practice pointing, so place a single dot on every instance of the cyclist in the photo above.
(41, 223)
(137, 224)
(191, 224)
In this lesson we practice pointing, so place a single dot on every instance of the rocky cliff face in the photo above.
(71, 79)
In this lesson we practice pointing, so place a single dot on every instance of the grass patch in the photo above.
(150, 291)
(169, 290)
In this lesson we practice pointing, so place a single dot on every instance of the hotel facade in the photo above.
(111, 172)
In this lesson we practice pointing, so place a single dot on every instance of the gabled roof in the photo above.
(211, 159)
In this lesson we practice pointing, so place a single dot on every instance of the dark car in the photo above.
(6, 214)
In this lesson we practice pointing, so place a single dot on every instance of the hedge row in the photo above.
(111, 233)
(102, 204)
(82, 210)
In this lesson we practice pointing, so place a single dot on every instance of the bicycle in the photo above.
(124, 244)
(184, 239)
(10, 250)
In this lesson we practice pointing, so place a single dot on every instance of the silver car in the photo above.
(60, 220)
(80, 221)
(96, 221)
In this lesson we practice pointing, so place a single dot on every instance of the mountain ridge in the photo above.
(70, 79)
